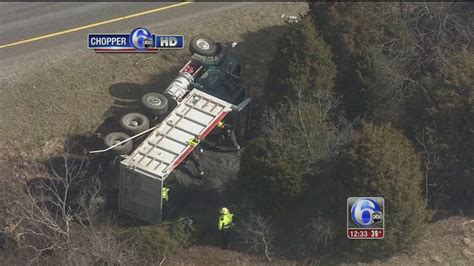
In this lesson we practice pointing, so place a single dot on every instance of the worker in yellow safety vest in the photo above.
(225, 225)
(165, 197)
(194, 141)
(194, 157)
(165, 194)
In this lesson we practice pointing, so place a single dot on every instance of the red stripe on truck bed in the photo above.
(202, 136)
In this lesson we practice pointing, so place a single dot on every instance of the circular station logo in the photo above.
(141, 39)
(366, 212)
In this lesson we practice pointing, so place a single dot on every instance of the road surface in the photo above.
(28, 21)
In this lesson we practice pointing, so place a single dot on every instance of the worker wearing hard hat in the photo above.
(225, 225)
(194, 157)
(227, 132)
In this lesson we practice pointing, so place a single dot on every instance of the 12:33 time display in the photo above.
(365, 233)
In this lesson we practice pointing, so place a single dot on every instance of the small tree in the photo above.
(257, 234)
(274, 166)
(56, 213)
(302, 67)
(382, 88)
(270, 174)
(319, 234)
(441, 121)
(382, 162)
(379, 161)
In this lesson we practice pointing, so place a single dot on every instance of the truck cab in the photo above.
(220, 77)
(215, 71)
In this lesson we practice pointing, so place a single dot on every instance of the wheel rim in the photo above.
(117, 140)
(203, 44)
(133, 123)
(155, 101)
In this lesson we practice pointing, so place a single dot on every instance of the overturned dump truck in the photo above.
(206, 90)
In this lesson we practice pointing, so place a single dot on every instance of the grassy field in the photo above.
(73, 94)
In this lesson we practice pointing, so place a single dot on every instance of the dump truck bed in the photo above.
(195, 116)
(143, 173)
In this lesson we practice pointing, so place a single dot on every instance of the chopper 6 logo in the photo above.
(140, 40)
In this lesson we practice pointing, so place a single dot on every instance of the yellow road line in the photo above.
(95, 24)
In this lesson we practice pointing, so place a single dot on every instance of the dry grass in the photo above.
(442, 242)
(72, 93)
(211, 255)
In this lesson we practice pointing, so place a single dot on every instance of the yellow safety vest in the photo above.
(165, 193)
(225, 221)
(193, 142)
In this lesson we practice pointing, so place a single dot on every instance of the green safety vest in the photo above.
(165, 193)
(225, 221)
(193, 142)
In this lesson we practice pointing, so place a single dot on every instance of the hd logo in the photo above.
(139, 40)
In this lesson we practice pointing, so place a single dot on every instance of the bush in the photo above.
(381, 162)
(302, 67)
(295, 129)
(270, 174)
(319, 234)
(156, 241)
(441, 124)
(381, 91)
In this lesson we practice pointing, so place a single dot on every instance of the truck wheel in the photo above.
(135, 123)
(115, 137)
(155, 104)
(203, 45)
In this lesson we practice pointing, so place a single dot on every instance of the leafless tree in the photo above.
(427, 155)
(56, 213)
(257, 234)
(304, 121)
(430, 32)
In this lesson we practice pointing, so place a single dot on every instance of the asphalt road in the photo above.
(25, 21)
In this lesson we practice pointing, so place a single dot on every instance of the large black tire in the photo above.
(214, 60)
(114, 137)
(203, 45)
(155, 104)
(135, 123)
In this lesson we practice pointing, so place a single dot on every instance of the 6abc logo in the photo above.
(141, 39)
(366, 212)
(365, 217)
